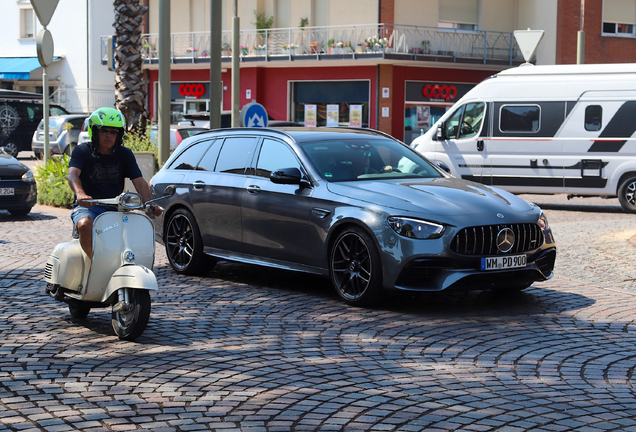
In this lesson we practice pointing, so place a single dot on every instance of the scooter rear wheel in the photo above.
(130, 324)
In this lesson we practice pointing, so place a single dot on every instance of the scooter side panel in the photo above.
(115, 234)
(65, 265)
(131, 276)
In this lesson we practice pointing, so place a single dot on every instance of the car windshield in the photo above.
(367, 158)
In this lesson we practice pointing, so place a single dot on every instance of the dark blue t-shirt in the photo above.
(103, 176)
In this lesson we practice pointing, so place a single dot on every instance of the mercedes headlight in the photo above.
(130, 200)
(416, 228)
(543, 221)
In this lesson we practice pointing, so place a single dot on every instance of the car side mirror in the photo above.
(439, 134)
(444, 167)
(169, 191)
(287, 176)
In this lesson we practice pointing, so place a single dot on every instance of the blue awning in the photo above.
(18, 67)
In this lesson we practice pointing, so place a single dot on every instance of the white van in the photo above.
(544, 130)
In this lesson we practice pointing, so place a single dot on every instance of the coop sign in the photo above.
(196, 90)
(189, 90)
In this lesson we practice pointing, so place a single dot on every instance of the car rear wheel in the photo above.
(355, 268)
(11, 147)
(184, 245)
(627, 194)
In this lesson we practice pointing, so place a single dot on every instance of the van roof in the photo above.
(615, 68)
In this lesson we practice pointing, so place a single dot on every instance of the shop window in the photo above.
(619, 18)
(593, 117)
(458, 14)
(519, 118)
(27, 23)
(347, 95)
(275, 155)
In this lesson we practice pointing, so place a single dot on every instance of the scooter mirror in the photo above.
(169, 191)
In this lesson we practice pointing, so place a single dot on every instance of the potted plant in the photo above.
(244, 50)
(426, 46)
(313, 47)
(290, 48)
(260, 50)
(226, 49)
(191, 50)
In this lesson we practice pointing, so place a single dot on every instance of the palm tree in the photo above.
(130, 86)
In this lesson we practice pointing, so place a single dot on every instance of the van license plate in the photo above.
(507, 262)
(7, 191)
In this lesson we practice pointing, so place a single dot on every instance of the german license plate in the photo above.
(7, 191)
(500, 263)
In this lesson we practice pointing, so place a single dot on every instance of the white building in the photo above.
(77, 79)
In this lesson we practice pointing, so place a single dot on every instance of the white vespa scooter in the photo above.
(123, 256)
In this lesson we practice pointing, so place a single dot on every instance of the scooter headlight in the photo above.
(130, 200)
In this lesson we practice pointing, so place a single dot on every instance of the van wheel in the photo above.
(627, 194)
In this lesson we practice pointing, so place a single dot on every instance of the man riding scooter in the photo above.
(98, 169)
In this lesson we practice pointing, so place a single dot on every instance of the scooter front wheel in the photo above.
(130, 321)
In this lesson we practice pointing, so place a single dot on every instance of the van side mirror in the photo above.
(439, 134)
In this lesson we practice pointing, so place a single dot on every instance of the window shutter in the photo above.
(619, 11)
(459, 11)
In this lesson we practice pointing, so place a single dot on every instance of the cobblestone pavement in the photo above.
(247, 349)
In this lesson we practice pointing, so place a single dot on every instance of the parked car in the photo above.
(177, 133)
(19, 119)
(64, 133)
(202, 119)
(83, 135)
(356, 205)
(18, 190)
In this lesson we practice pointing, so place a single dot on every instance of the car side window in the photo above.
(471, 121)
(452, 124)
(77, 123)
(55, 111)
(593, 117)
(275, 155)
(190, 157)
(235, 155)
(520, 118)
(208, 162)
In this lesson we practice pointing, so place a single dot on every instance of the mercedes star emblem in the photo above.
(505, 240)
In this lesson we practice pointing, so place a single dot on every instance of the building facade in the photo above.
(400, 63)
(77, 79)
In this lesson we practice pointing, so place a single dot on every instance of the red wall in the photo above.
(270, 86)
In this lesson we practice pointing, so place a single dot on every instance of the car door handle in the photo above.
(480, 145)
(198, 185)
(253, 189)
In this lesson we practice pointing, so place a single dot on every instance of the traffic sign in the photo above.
(253, 115)
(44, 47)
(44, 10)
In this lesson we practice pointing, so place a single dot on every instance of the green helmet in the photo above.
(105, 117)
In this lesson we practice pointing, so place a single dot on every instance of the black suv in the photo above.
(19, 118)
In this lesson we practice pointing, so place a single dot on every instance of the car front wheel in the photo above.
(184, 245)
(355, 268)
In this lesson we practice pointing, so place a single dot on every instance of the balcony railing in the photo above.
(359, 41)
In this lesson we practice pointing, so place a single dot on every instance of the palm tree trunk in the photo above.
(130, 85)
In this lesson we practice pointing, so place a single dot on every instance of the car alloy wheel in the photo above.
(184, 246)
(355, 268)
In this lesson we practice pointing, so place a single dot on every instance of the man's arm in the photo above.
(76, 186)
(141, 185)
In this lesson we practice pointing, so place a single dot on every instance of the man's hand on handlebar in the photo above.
(153, 210)
(82, 200)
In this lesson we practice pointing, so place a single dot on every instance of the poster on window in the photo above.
(355, 116)
(332, 115)
(310, 115)
(423, 117)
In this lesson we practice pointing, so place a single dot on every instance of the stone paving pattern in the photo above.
(251, 349)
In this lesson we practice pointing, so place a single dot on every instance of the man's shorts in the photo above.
(82, 212)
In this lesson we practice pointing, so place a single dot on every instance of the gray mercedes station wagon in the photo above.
(352, 204)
